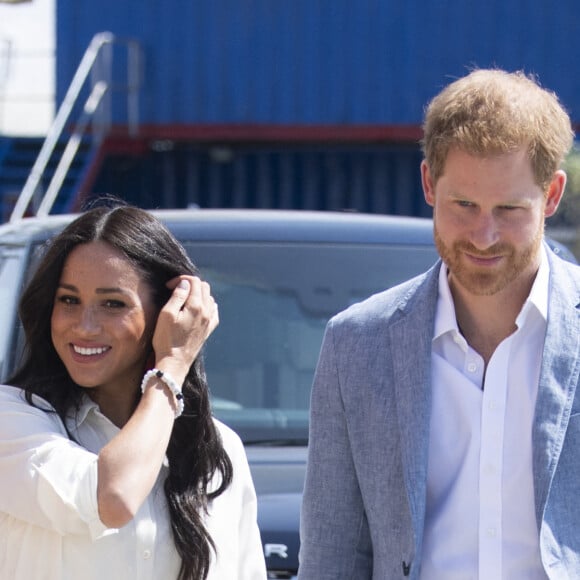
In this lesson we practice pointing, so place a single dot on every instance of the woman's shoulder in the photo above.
(8, 391)
(17, 396)
(19, 417)
(230, 439)
(12, 395)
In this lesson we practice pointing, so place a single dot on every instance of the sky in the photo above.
(27, 67)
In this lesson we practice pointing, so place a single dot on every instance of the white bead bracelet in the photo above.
(170, 383)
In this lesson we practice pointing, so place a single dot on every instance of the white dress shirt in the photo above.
(49, 523)
(480, 519)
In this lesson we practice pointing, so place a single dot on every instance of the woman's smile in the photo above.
(89, 353)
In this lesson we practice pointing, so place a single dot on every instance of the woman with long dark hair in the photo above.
(111, 465)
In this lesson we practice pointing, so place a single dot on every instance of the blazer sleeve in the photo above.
(335, 541)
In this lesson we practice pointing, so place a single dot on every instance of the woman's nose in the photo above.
(88, 321)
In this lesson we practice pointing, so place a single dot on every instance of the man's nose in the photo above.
(484, 233)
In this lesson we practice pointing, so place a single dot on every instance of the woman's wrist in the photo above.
(174, 367)
(168, 383)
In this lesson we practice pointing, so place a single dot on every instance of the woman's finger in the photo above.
(179, 296)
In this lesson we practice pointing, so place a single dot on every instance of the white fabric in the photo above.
(480, 520)
(49, 524)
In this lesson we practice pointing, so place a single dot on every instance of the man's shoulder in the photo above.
(393, 301)
(564, 274)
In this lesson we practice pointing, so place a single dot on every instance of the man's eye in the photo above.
(464, 203)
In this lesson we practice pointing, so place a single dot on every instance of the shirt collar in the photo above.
(538, 297)
(76, 417)
(446, 321)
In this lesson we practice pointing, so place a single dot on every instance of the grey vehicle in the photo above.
(278, 276)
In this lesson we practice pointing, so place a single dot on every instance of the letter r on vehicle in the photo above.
(280, 550)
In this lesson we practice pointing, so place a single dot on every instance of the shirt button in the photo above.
(471, 367)
(491, 532)
(146, 554)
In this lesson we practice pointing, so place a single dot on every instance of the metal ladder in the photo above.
(97, 66)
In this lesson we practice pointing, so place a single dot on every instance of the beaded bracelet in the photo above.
(171, 384)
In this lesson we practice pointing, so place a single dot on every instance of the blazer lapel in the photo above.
(410, 339)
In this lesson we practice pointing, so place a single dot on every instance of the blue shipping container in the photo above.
(320, 62)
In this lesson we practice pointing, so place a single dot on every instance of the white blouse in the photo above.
(49, 523)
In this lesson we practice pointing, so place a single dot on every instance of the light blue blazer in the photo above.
(364, 500)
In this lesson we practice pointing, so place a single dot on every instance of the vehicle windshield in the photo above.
(274, 302)
(11, 266)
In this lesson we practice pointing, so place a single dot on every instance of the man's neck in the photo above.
(485, 321)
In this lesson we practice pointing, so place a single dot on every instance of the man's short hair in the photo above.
(490, 112)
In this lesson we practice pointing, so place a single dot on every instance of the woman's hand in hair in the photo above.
(183, 325)
(129, 464)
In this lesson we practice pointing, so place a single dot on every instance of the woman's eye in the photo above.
(68, 300)
(114, 304)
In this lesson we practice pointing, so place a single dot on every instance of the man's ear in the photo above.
(428, 185)
(554, 193)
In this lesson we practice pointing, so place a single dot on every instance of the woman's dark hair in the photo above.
(195, 452)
